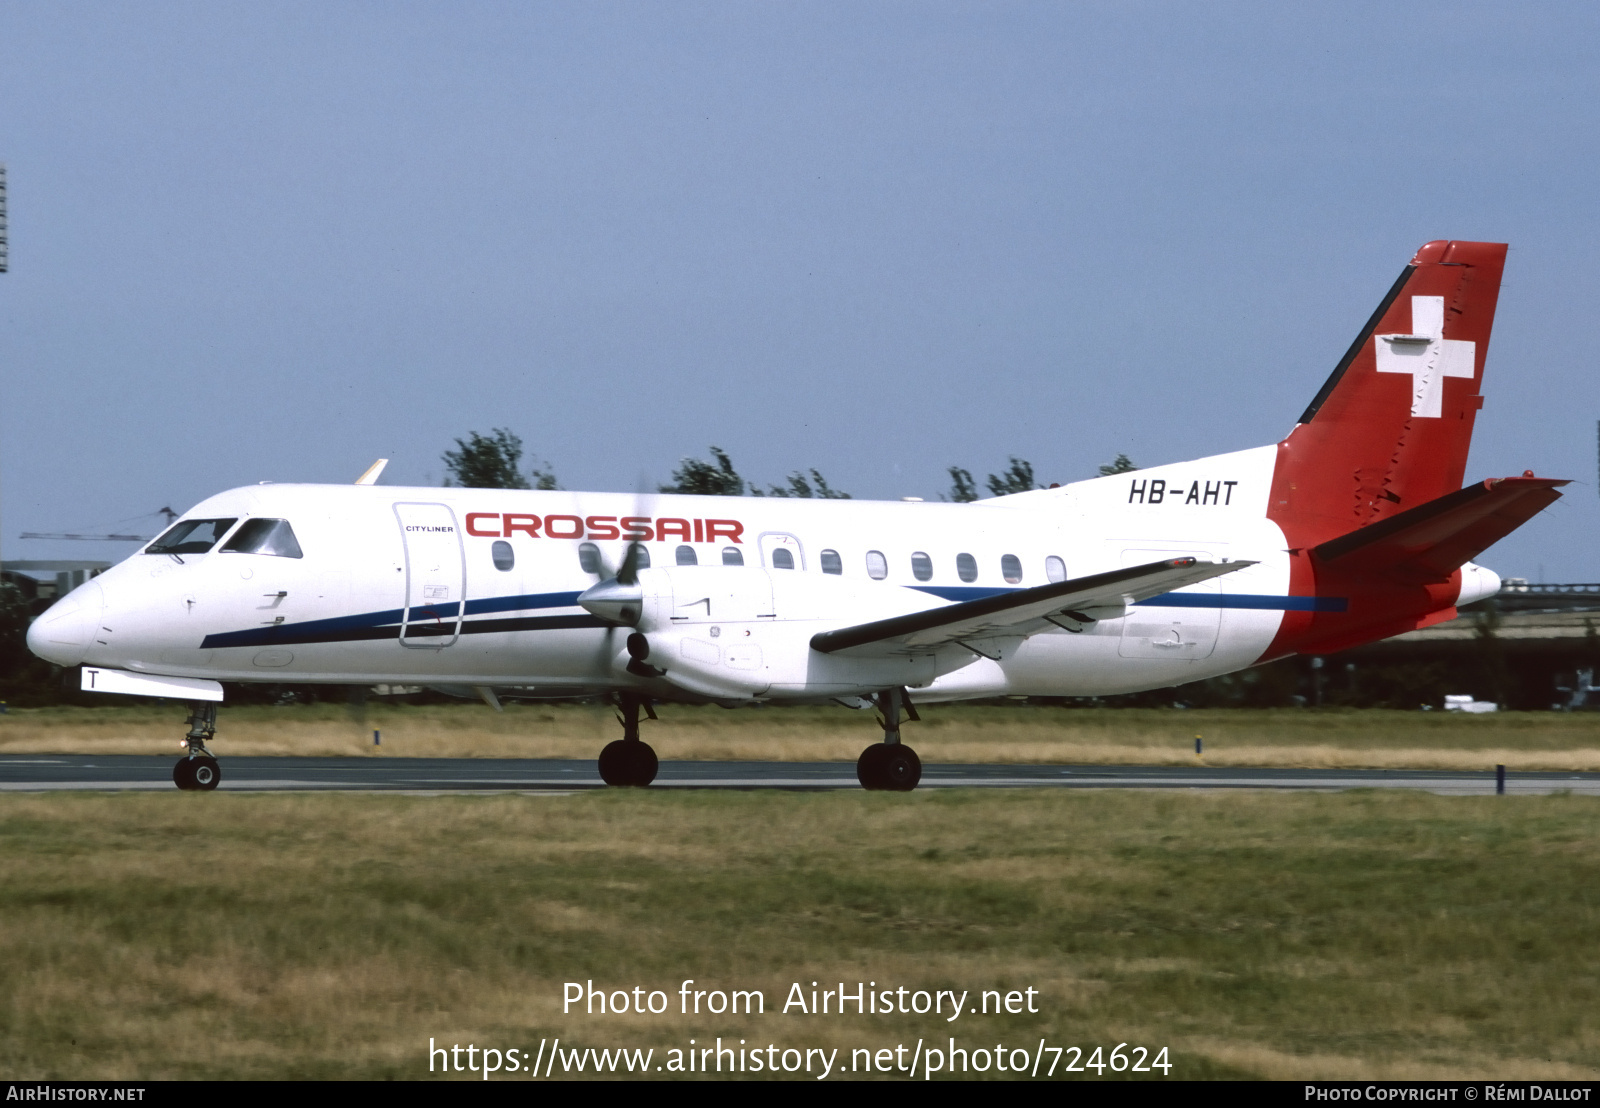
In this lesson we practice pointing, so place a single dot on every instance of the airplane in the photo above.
(1353, 528)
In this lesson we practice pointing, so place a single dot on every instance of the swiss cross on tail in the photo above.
(1427, 355)
(1361, 453)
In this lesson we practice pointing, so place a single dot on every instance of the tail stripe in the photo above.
(1355, 347)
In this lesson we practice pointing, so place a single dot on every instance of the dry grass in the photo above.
(957, 733)
(1355, 935)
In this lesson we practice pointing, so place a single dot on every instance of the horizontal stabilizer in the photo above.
(1023, 612)
(1439, 537)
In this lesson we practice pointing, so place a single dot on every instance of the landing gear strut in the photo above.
(628, 761)
(198, 770)
(890, 765)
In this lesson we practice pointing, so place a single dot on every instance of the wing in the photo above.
(1023, 612)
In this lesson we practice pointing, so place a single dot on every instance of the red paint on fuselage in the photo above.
(1368, 453)
(502, 525)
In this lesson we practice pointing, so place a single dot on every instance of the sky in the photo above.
(276, 241)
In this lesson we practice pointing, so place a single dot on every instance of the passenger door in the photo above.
(436, 576)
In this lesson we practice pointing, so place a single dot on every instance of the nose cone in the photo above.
(63, 634)
(613, 601)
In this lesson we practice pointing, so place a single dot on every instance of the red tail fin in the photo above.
(1390, 429)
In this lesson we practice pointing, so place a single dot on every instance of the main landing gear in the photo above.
(198, 770)
(891, 765)
(628, 761)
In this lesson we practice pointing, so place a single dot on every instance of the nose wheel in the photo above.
(198, 770)
(200, 774)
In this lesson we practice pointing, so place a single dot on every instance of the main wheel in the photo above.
(892, 767)
(627, 762)
(206, 774)
(183, 774)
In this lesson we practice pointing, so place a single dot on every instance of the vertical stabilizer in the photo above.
(1391, 427)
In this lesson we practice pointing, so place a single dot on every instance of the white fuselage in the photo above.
(376, 596)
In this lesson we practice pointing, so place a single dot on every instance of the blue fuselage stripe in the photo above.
(351, 627)
(344, 628)
(1255, 601)
(1249, 601)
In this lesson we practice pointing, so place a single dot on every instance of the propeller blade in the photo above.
(628, 573)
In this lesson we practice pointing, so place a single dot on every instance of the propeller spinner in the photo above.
(618, 599)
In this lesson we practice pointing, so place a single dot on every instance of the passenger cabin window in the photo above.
(504, 557)
(967, 567)
(1011, 569)
(264, 536)
(877, 565)
(921, 566)
(732, 556)
(782, 559)
(1055, 569)
(641, 555)
(686, 556)
(191, 536)
(588, 557)
(831, 562)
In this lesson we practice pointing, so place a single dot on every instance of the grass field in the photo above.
(955, 733)
(1354, 935)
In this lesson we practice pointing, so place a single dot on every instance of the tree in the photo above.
(1119, 464)
(24, 679)
(1018, 477)
(963, 490)
(16, 612)
(717, 478)
(706, 478)
(492, 462)
(799, 486)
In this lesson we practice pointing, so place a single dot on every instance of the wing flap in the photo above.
(1023, 612)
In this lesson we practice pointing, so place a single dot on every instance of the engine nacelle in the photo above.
(744, 632)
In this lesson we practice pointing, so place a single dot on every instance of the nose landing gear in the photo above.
(628, 761)
(891, 765)
(198, 770)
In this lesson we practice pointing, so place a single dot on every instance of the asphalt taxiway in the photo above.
(88, 772)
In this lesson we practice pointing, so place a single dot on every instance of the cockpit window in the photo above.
(264, 536)
(191, 536)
